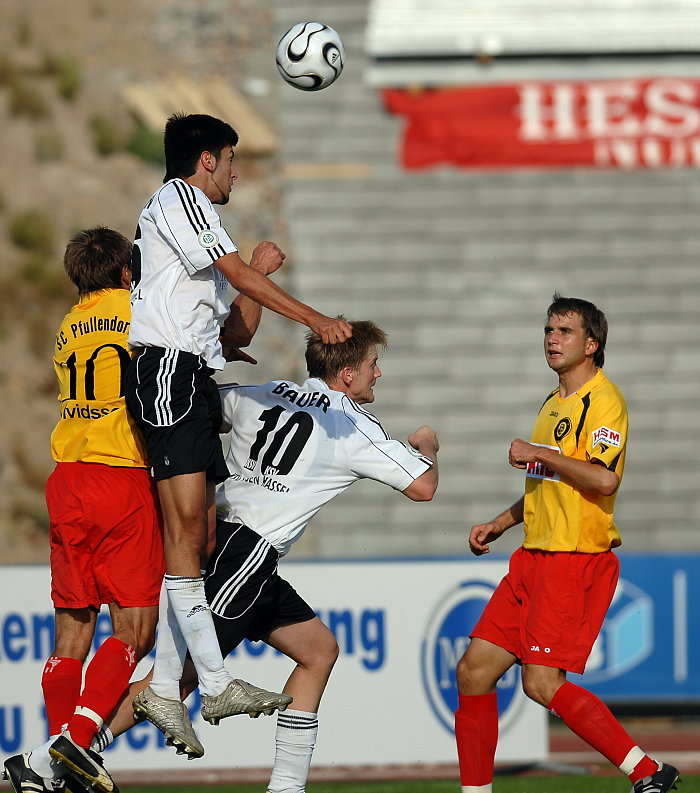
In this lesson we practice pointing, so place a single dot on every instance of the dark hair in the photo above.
(187, 136)
(95, 258)
(326, 360)
(593, 320)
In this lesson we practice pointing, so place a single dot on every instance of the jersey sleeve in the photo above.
(373, 454)
(188, 220)
(229, 395)
(607, 429)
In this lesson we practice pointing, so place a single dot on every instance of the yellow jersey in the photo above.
(91, 357)
(590, 424)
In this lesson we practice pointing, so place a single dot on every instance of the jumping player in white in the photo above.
(183, 262)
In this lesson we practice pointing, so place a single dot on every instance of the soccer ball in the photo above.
(310, 56)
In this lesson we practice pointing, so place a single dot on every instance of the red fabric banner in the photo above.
(635, 123)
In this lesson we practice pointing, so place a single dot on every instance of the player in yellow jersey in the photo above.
(105, 531)
(548, 610)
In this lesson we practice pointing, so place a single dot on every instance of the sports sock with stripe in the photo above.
(588, 717)
(295, 741)
(106, 681)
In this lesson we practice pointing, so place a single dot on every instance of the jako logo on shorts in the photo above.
(444, 641)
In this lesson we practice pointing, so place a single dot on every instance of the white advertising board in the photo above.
(401, 627)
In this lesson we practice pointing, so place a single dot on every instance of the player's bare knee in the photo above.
(539, 688)
(330, 654)
(470, 678)
(323, 655)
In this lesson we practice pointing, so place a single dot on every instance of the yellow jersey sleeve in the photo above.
(91, 356)
(589, 425)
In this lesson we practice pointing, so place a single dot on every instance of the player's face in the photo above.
(223, 176)
(566, 344)
(364, 378)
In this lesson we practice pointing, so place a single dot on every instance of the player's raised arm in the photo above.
(264, 291)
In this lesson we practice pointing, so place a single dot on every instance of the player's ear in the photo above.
(126, 277)
(591, 346)
(208, 161)
(347, 373)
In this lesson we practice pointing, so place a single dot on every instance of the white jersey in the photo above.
(178, 297)
(294, 448)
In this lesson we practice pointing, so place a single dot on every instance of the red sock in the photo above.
(584, 714)
(61, 681)
(106, 680)
(476, 732)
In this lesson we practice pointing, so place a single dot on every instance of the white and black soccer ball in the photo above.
(310, 56)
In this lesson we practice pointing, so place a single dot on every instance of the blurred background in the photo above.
(472, 158)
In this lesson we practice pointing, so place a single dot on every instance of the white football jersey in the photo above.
(178, 297)
(294, 448)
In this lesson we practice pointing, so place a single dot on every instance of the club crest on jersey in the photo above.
(207, 238)
(607, 436)
(562, 429)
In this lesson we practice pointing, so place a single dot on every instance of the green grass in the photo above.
(545, 784)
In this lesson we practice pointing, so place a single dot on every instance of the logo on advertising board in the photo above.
(444, 641)
(626, 638)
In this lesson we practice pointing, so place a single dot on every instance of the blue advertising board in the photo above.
(649, 646)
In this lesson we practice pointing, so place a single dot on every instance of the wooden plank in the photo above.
(154, 102)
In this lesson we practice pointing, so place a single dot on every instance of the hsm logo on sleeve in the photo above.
(607, 436)
(444, 641)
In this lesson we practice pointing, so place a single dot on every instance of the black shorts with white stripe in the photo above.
(174, 401)
(248, 599)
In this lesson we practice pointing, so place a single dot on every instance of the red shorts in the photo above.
(549, 608)
(106, 536)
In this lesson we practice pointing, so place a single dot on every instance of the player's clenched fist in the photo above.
(267, 257)
(424, 435)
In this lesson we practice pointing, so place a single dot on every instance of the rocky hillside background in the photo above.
(73, 156)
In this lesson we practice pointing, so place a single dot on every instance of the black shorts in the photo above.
(247, 597)
(175, 402)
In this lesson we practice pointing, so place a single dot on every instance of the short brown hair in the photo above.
(326, 360)
(594, 322)
(94, 259)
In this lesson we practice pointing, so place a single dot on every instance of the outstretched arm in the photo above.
(426, 442)
(261, 289)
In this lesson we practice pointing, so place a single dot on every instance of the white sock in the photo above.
(188, 603)
(476, 788)
(41, 762)
(295, 741)
(171, 650)
(102, 739)
(634, 756)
